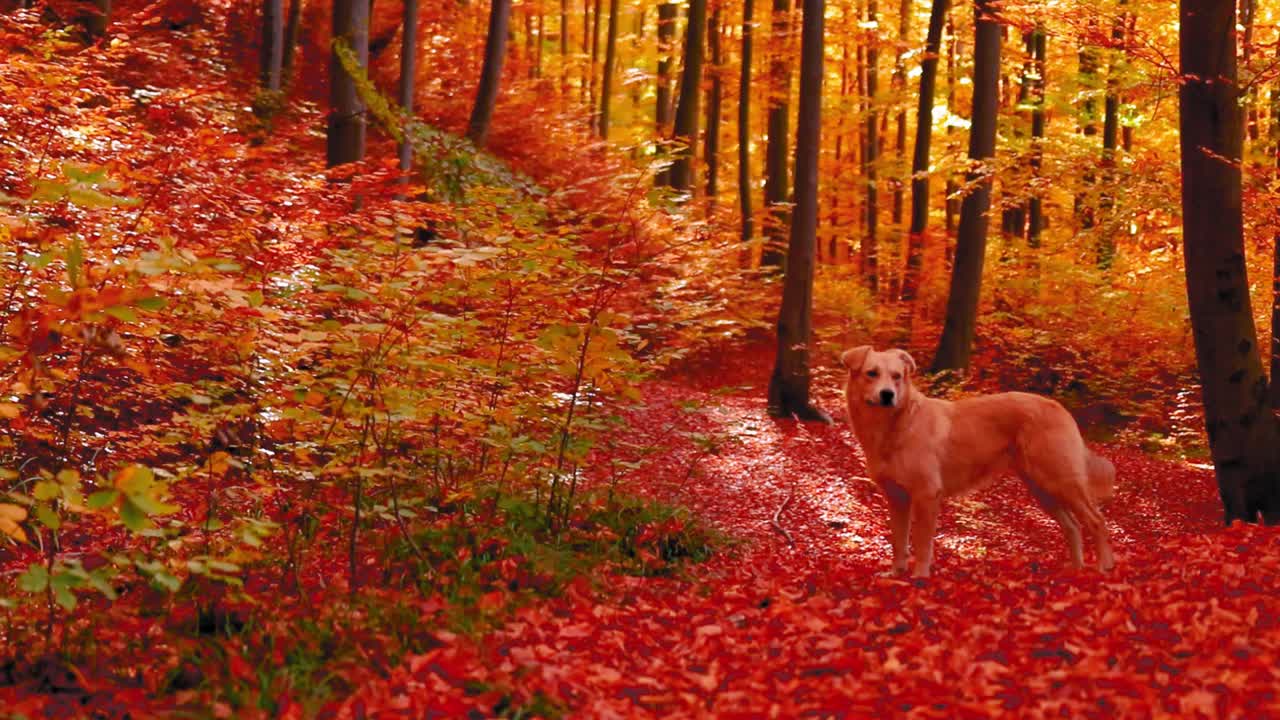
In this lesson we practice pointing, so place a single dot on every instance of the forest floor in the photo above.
(790, 616)
(796, 619)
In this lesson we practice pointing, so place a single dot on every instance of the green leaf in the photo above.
(167, 581)
(121, 313)
(65, 598)
(35, 579)
(75, 259)
(151, 304)
(102, 499)
(46, 515)
(152, 506)
(132, 516)
(46, 490)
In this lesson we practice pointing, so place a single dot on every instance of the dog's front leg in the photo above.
(899, 528)
(924, 524)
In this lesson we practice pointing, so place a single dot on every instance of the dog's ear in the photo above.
(907, 360)
(854, 357)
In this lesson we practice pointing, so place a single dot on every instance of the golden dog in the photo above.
(920, 450)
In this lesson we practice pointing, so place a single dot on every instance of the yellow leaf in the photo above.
(10, 411)
(10, 516)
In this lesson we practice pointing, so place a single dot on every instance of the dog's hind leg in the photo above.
(1055, 509)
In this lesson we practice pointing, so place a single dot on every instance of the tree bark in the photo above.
(610, 59)
(1110, 142)
(408, 69)
(956, 345)
(789, 385)
(1244, 439)
(715, 95)
(667, 13)
(97, 19)
(920, 158)
(870, 154)
(346, 131)
(291, 30)
(744, 123)
(900, 85)
(1035, 212)
(495, 50)
(595, 54)
(685, 133)
(272, 44)
(775, 160)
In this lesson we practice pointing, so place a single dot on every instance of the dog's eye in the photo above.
(897, 376)
(873, 373)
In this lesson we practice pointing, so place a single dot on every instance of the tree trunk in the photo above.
(272, 44)
(1110, 141)
(610, 58)
(920, 159)
(870, 154)
(744, 123)
(711, 149)
(900, 85)
(291, 31)
(495, 48)
(956, 344)
(775, 160)
(685, 133)
(1035, 214)
(595, 54)
(789, 385)
(97, 19)
(951, 204)
(1244, 439)
(408, 69)
(667, 13)
(345, 137)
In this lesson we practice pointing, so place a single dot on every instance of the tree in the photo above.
(667, 13)
(744, 123)
(956, 344)
(97, 18)
(495, 49)
(775, 154)
(900, 87)
(686, 125)
(1244, 438)
(920, 157)
(610, 58)
(272, 43)
(408, 63)
(711, 149)
(870, 154)
(1035, 211)
(789, 385)
(291, 30)
(346, 111)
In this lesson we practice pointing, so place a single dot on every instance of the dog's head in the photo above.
(878, 379)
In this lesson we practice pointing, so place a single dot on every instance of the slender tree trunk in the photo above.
(1035, 219)
(97, 19)
(408, 69)
(789, 385)
(595, 54)
(920, 159)
(495, 47)
(345, 140)
(900, 85)
(685, 133)
(951, 206)
(564, 48)
(272, 44)
(1248, 11)
(667, 13)
(542, 25)
(1244, 439)
(1110, 141)
(775, 165)
(1275, 321)
(744, 123)
(870, 156)
(291, 31)
(1088, 123)
(956, 344)
(610, 58)
(714, 106)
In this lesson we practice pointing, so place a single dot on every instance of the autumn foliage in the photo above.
(287, 441)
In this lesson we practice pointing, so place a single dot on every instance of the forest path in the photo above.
(803, 623)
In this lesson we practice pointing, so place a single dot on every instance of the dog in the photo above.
(921, 450)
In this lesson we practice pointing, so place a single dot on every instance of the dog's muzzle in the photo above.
(886, 398)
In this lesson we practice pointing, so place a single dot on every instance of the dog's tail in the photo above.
(1102, 477)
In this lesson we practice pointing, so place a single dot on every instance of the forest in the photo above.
(487, 358)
